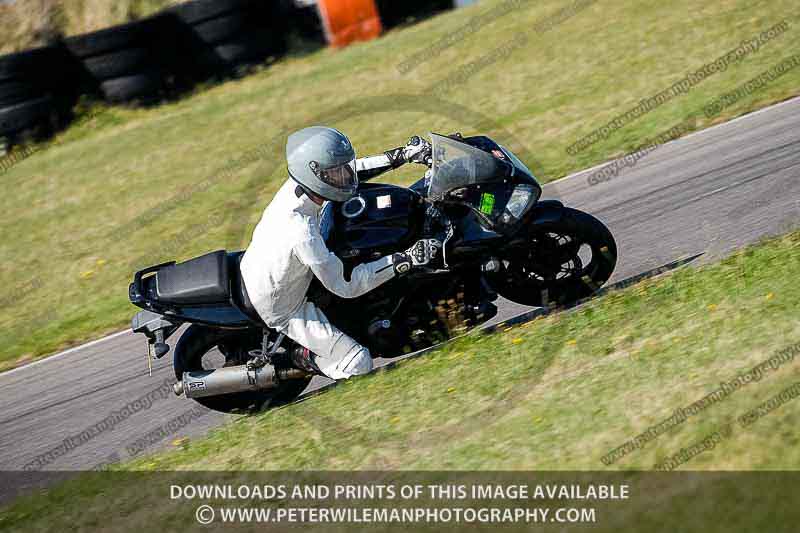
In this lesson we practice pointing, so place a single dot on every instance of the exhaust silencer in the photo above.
(220, 381)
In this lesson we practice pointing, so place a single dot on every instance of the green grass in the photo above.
(555, 394)
(129, 188)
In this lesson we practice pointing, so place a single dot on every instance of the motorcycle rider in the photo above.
(288, 249)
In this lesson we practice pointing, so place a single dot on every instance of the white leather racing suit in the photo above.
(287, 250)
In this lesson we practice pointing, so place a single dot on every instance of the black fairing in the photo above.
(391, 221)
(474, 236)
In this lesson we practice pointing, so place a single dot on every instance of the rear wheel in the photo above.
(145, 87)
(203, 348)
(564, 262)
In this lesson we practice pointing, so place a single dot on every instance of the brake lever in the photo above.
(450, 232)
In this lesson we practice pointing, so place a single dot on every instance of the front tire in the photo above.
(564, 261)
(195, 351)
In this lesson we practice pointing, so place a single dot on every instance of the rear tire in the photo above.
(221, 29)
(117, 64)
(27, 115)
(553, 270)
(202, 10)
(13, 92)
(115, 38)
(247, 49)
(145, 87)
(198, 341)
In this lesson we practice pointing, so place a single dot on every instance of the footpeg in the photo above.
(257, 360)
(303, 359)
(492, 265)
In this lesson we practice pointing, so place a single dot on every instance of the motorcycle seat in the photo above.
(202, 280)
(213, 279)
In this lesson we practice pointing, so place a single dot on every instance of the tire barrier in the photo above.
(143, 62)
(126, 63)
(158, 58)
(34, 101)
(217, 39)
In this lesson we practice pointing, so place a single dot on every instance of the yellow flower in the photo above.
(101, 262)
(451, 389)
(712, 307)
(181, 441)
(517, 341)
(394, 420)
(770, 296)
(572, 342)
(88, 274)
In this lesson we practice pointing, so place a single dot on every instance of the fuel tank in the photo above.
(381, 219)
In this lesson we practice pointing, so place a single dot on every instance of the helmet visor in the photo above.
(342, 176)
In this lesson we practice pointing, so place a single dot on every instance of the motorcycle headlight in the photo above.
(521, 200)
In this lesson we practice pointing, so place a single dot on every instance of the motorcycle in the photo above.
(498, 237)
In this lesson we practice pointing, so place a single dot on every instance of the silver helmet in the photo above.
(323, 161)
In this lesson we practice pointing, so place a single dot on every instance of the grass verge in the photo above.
(130, 188)
(556, 394)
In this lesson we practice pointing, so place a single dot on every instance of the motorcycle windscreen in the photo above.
(457, 164)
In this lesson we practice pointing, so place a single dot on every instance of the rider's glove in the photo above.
(419, 255)
(418, 150)
(397, 157)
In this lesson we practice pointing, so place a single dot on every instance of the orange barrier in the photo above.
(346, 21)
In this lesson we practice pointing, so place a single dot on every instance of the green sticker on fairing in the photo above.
(487, 203)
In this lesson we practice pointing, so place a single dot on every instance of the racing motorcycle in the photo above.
(497, 237)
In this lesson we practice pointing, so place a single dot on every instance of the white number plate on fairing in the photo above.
(384, 202)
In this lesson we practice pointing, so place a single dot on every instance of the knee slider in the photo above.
(357, 362)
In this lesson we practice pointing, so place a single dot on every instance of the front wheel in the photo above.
(561, 262)
(204, 348)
